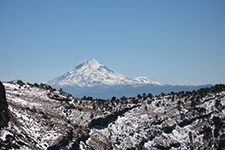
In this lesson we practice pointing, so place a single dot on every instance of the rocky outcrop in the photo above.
(4, 111)
(101, 123)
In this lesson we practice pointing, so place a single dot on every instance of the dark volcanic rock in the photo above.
(4, 111)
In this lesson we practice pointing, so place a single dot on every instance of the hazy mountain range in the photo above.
(91, 78)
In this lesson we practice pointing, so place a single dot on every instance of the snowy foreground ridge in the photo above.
(43, 118)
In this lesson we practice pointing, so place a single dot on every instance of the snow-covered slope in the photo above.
(91, 73)
(43, 118)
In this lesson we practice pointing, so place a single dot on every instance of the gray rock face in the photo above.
(4, 112)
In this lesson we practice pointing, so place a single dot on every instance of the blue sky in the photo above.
(172, 42)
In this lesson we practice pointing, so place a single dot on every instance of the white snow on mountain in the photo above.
(91, 73)
(146, 80)
(42, 118)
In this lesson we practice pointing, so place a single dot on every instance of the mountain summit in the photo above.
(91, 73)
(92, 78)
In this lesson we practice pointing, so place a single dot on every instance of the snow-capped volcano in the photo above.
(91, 73)
(94, 79)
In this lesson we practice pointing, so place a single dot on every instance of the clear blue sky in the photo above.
(172, 42)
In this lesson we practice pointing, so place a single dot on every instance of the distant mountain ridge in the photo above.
(94, 79)
(91, 73)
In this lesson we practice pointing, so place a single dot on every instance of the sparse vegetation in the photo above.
(143, 121)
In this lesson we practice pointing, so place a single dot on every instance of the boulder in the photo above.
(4, 111)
